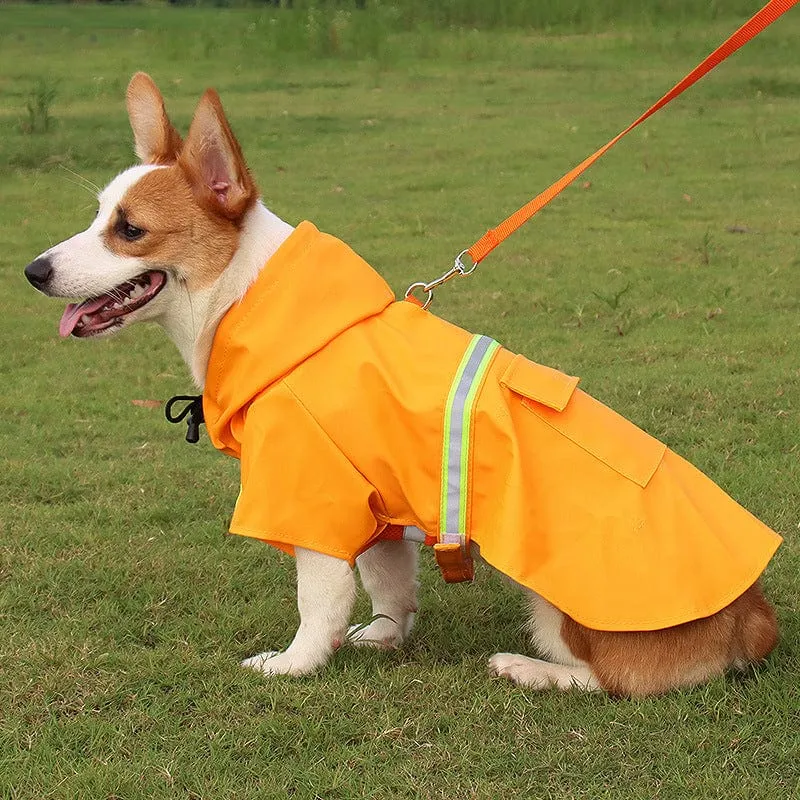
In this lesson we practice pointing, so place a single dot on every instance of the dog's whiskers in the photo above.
(118, 295)
(83, 182)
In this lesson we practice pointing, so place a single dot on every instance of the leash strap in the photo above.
(771, 12)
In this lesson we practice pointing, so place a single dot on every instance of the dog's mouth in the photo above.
(107, 311)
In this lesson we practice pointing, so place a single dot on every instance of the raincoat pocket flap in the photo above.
(541, 384)
(552, 397)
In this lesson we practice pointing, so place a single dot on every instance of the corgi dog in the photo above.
(179, 240)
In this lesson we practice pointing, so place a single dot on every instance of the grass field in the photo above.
(669, 279)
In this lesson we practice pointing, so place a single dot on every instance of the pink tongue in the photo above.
(74, 311)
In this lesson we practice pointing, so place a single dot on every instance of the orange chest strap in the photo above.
(453, 548)
(451, 544)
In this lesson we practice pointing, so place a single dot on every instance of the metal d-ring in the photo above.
(425, 288)
(459, 264)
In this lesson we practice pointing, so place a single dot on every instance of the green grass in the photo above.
(123, 606)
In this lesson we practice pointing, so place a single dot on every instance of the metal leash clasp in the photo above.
(458, 268)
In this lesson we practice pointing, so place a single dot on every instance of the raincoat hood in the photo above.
(312, 289)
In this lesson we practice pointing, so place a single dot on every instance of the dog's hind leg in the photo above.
(326, 591)
(564, 671)
(533, 673)
(389, 573)
(642, 663)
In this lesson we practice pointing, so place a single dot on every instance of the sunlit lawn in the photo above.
(669, 279)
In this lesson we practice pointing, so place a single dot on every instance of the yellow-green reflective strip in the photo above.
(448, 416)
(457, 428)
(467, 431)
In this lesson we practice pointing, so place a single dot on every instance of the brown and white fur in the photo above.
(180, 238)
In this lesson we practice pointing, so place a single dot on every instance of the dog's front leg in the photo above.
(389, 573)
(326, 592)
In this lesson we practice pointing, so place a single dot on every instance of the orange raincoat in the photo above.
(333, 396)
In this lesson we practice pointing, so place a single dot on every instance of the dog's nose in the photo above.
(38, 272)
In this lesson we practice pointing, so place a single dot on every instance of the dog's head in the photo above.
(166, 226)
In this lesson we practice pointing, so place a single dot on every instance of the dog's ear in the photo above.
(212, 160)
(157, 142)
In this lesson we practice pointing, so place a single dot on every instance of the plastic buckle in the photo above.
(456, 566)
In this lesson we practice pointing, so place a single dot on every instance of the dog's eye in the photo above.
(130, 232)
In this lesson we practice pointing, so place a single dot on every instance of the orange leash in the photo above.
(771, 12)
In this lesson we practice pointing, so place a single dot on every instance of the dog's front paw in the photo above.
(275, 663)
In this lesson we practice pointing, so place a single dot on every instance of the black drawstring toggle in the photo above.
(193, 409)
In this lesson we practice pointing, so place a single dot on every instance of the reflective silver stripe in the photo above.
(457, 427)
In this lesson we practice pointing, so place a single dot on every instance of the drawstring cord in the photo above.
(193, 409)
